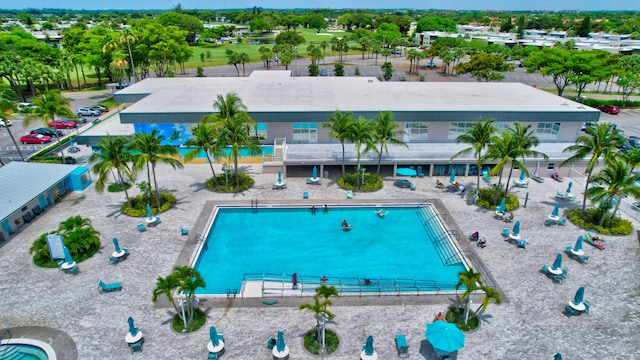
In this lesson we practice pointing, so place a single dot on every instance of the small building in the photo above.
(30, 188)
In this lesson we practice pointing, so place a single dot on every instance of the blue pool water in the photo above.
(22, 352)
(288, 240)
(266, 150)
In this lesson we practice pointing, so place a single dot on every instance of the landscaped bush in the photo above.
(313, 345)
(199, 319)
(78, 236)
(52, 159)
(590, 218)
(139, 205)
(371, 182)
(488, 198)
(118, 187)
(219, 183)
(595, 102)
(455, 315)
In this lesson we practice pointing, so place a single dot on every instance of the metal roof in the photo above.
(23, 182)
(276, 92)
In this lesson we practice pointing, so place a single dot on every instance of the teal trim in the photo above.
(6, 227)
(43, 201)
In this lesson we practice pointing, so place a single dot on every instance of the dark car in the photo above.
(634, 141)
(35, 139)
(404, 183)
(48, 132)
(63, 124)
(102, 109)
(610, 109)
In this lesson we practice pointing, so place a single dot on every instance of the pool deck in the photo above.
(528, 325)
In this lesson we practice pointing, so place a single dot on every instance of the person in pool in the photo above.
(345, 225)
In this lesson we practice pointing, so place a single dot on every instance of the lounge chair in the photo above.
(413, 186)
(28, 216)
(549, 222)
(537, 178)
(522, 244)
(109, 287)
(136, 346)
(599, 243)
(349, 194)
(559, 277)
(420, 173)
(141, 227)
(184, 231)
(562, 221)
(402, 346)
(506, 232)
(305, 195)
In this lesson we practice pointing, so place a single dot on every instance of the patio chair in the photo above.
(485, 176)
(401, 346)
(420, 173)
(549, 222)
(570, 311)
(305, 194)
(73, 270)
(136, 346)
(587, 306)
(141, 227)
(109, 287)
(271, 342)
(212, 356)
(506, 232)
(412, 186)
(522, 244)
(184, 231)
(562, 221)
(349, 194)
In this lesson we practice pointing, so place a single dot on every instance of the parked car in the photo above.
(63, 124)
(636, 206)
(430, 65)
(404, 183)
(585, 125)
(25, 106)
(634, 141)
(8, 123)
(35, 139)
(88, 112)
(396, 51)
(80, 119)
(610, 109)
(47, 132)
(102, 109)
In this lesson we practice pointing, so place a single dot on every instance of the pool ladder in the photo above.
(7, 352)
(254, 206)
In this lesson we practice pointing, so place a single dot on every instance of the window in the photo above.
(417, 131)
(458, 128)
(548, 131)
(500, 126)
(260, 131)
(305, 132)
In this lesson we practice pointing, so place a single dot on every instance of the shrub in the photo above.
(313, 345)
(118, 187)
(79, 237)
(52, 159)
(590, 218)
(371, 182)
(199, 318)
(455, 315)
(219, 183)
(139, 205)
(488, 198)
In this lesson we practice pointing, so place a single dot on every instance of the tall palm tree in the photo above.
(490, 294)
(471, 281)
(504, 149)
(386, 131)
(111, 155)
(147, 150)
(479, 137)
(339, 126)
(361, 133)
(7, 112)
(167, 286)
(189, 281)
(46, 107)
(526, 140)
(600, 141)
(129, 38)
(205, 138)
(618, 182)
(631, 157)
(234, 126)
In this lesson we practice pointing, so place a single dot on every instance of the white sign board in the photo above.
(56, 246)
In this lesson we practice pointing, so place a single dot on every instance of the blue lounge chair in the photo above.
(505, 232)
(420, 173)
(522, 244)
(413, 186)
(402, 346)
(349, 194)
(271, 342)
(305, 195)
(562, 221)
(184, 231)
(136, 346)
(104, 287)
(141, 227)
(549, 222)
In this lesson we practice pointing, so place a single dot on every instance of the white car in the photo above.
(8, 123)
(85, 111)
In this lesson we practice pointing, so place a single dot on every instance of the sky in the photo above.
(334, 4)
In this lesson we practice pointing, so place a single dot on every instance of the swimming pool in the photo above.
(266, 150)
(409, 244)
(26, 349)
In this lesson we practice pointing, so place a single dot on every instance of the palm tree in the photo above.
(234, 127)
(327, 291)
(631, 157)
(78, 234)
(600, 140)
(471, 281)
(167, 286)
(339, 125)
(525, 139)
(204, 138)
(490, 294)
(147, 151)
(111, 155)
(7, 112)
(502, 148)
(129, 38)
(361, 133)
(479, 137)
(190, 280)
(46, 107)
(618, 182)
(386, 131)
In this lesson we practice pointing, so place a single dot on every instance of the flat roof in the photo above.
(24, 181)
(277, 91)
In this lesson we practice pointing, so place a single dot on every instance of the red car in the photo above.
(35, 139)
(63, 124)
(610, 109)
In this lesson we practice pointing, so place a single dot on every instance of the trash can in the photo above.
(326, 174)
